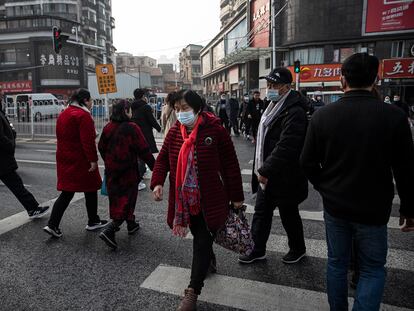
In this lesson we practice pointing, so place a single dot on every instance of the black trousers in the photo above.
(63, 202)
(262, 223)
(13, 181)
(202, 252)
(235, 125)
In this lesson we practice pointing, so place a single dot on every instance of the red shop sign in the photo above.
(318, 73)
(398, 68)
(16, 86)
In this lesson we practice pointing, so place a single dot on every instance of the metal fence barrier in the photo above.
(37, 119)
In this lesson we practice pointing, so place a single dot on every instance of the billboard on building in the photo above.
(260, 23)
(387, 16)
(16, 86)
(319, 73)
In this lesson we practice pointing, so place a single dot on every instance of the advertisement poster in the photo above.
(388, 16)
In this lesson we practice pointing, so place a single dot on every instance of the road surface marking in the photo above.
(251, 161)
(396, 259)
(247, 187)
(393, 223)
(241, 293)
(45, 162)
(47, 151)
(246, 172)
(19, 219)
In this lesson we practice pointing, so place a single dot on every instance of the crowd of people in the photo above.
(351, 151)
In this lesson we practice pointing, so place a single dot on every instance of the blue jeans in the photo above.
(371, 248)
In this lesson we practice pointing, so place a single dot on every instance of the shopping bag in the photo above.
(236, 235)
(104, 190)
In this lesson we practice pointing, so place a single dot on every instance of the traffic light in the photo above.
(57, 39)
(297, 66)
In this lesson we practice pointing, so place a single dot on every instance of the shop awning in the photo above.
(244, 55)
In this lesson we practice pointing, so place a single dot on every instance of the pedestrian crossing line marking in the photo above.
(46, 151)
(246, 172)
(20, 219)
(241, 293)
(44, 162)
(396, 259)
(251, 162)
(393, 223)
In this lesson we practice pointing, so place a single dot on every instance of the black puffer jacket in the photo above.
(143, 117)
(7, 146)
(282, 148)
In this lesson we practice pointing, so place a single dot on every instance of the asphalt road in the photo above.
(150, 269)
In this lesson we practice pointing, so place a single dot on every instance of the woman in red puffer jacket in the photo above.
(77, 162)
(204, 178)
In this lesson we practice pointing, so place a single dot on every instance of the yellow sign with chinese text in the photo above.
(105, 76)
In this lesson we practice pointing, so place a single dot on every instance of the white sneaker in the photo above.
(141, 186)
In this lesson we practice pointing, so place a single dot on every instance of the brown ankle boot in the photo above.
(189, 302)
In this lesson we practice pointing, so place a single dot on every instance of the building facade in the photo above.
(321, 36)
(190, 67)
(27, 60)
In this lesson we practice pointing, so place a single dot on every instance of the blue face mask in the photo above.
(272, 95)
(186, 117)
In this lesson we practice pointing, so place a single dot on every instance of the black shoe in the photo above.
(38, 212)
(108, 236)
(54, 232)
(133, 227)
(252, 258)
(293, 257)
(92, 226)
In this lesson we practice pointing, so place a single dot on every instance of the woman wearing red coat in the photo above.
(121, 144)
(77, 162)
(204, 177)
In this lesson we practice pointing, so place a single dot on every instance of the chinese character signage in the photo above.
(319, 73)
(64, 69)
(105, 76)
(388, 16)
(259, 22)
(398, 68)
(16, 86)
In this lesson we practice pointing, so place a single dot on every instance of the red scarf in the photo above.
(187, 199)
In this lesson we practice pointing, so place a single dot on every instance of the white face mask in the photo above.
(396, 99)
(246, 99)
(186, 118)
(272, 95)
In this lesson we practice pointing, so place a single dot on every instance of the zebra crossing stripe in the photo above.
(241, 293)
(396, 258)
(393, 223)
(19, 219)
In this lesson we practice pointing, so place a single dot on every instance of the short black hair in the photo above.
(80, 96)
(139, 93)
(360, 70)
(256, 92)
(192, 99)
(118, 111)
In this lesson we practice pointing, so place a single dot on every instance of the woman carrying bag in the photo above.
(121, 145)
(204, 177)
(77, 162)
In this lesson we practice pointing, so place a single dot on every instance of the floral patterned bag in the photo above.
(236, 235)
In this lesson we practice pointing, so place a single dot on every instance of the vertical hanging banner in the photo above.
(105, 76)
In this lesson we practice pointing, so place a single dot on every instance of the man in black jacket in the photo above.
(353, 149)
(8, 167)
(143, 117)
(276, 168)
(255, 109)
(234, 114)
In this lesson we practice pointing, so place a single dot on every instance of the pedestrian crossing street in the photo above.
(247, 293)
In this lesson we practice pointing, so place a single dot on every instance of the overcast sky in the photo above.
(163, 27)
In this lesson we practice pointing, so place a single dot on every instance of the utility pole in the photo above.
(273, 23)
